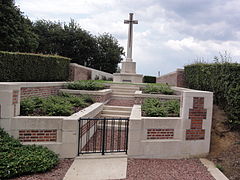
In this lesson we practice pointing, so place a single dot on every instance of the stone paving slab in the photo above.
(98, 167)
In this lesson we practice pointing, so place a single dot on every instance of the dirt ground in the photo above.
(225, 146)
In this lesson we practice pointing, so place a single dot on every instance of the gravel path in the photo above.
(158, 169)
(56, 173)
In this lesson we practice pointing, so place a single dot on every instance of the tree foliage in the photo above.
(16, 30)
(70, 40)
(18, 33)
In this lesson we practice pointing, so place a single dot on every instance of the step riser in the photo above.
(130, 88)
(123, 94)
(117, 109)
(117, 113)
(114, 116)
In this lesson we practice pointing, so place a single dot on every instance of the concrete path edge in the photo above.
(214, 171)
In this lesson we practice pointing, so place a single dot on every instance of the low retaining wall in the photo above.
(139, 97)
(173, 137)
(78, 72)
(99, 96)
(176, 78)
(59, 134)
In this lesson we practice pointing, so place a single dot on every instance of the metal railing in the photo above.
(103, 135)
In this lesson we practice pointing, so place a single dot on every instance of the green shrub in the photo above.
(62, 105)
(17, 159)
(158, 89)
(26, 67)
(149, 79)
(155, 108)
(223, 80)
(85, 85)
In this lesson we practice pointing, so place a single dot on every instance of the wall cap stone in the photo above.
(98, 93)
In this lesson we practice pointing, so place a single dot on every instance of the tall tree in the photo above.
(110, 53)
(70, 40)
(16, 30)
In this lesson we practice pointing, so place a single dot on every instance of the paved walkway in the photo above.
(96, 167)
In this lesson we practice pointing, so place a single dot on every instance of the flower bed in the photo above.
(152, 107)
(85, 85)
(158, 89)
(61, 105)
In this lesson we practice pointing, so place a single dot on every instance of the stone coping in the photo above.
(17, 85)
(91, 69)
(163, 96)
(180, 89)
(98, 93)
(161, 118)
(75, 116)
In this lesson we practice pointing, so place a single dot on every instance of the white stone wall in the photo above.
(151, 137)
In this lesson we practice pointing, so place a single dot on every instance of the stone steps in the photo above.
(117, 108)
(123, 93)
(114, 116)
(116, 112)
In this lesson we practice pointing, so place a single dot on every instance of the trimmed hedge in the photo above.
(26, 67)
(223, 80)
(149, 79)
(17, 159)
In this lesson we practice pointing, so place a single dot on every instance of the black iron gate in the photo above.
(102, 135)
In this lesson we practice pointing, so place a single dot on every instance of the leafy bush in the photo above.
(85, 85)
(158, 89)
(63, 105)
(155, 108)
(223, 80)
(28, 67)
(149, 79)
(17, 159)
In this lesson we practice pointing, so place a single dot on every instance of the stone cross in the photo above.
(130, 36)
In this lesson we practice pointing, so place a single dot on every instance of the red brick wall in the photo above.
(102, 98)
(160, 133)
(39, 91)
(121, 102)
(196, 114)
(38, 135)
(176, 78)
(79, 73)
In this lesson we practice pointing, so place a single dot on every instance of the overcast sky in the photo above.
(170, 33)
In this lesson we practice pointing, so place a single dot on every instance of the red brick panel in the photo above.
(160, 133)
(197, 115)
(39, 91)
(38, 135)
(15, 97)
(195, 134)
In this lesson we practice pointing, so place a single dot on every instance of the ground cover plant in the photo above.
(17, 159)
(85, 85)
(61, 105)
(157, 89)
(155, 108)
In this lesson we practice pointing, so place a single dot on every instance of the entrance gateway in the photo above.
(103, 135)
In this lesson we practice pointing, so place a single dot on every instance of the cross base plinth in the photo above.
(127, 77)
(128, 67)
